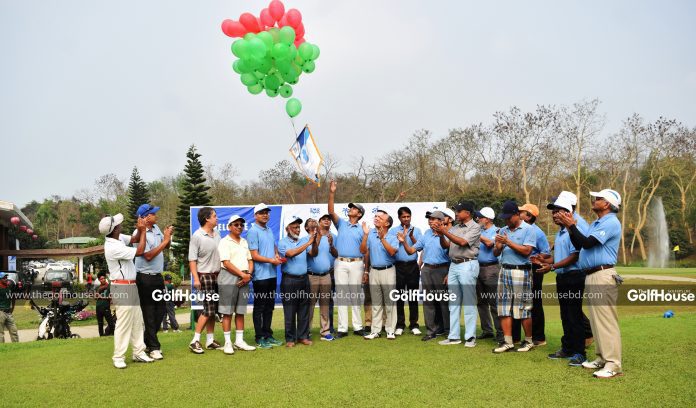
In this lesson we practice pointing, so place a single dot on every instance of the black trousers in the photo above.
(264, 302)
(407, 278)
(295, 294)
(153, 311)
(570, 287)
(104, 313)
(170, 317)
(538, 319)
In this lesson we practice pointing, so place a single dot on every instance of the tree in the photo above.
(194, 192)
(138, 194)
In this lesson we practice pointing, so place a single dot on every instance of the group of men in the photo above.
(463, 261)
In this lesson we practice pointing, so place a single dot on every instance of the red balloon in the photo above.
(266, 18)
(233, 28)
(35, 236)
(23, 228)
(277, 9)
(30, 231)
(262, 26)
(14, 220)
(299, 31)
(294, 17)
(249, 22)
(283, 21)
(298, 41)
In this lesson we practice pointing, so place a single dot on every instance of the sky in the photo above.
(93, 87)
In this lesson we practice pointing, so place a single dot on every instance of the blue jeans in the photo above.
(461, 282)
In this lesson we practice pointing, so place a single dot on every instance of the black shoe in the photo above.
(367, 329)
(340, 335)
(486, 336)
(442, 333)
(360, 332)
(559, 355)
(428, 337)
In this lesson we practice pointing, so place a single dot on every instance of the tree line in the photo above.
(529, 156)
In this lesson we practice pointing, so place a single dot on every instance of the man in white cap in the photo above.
(487, 283)
(598, 255)
(129, 317)
(349, 265)
(233, 284)
(264, 252)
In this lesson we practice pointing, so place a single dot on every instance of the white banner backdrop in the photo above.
(315, 211)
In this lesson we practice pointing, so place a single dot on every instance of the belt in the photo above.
(460, 260)
(405, 262)
(525, 267)
(289, 275)
(208, 273)
(317, 274)
(484, 264)
(442, 265)
(381, 268)
(123, 282)
(344, 259)
(590, 271)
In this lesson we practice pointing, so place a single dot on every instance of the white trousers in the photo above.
(348, 277)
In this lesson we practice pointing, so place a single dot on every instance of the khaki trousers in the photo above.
(320, 290)
(7, 320)
(129, 321)
(602, 292)
(382, 283)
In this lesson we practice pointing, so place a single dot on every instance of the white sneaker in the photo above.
(470, 342)
(371, 336)
(449, 342)
(242, 345)
(228, 349)
(119, 364)
(142, 358)
(525, 346)
(593, 365)
(504, 347)
(177, 331)
(416, 331)
(391, 336)
(398, 332)
(606, 374)
(156, 355)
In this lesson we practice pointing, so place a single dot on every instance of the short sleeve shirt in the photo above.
(607, 230)
(119, 259)
(522, 235)
(297, 265)
(401, 254)
(378, 254)
(485, 253)
(471, 232)
(323, 262)
(542, 243)
(237, 253)
(204, 250)
(433, 252)
(154, 238)
(348, 239)
(562, 248)
(261, 239)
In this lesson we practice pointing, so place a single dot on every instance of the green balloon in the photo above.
(315, 52)
(293, 107)
(265, 65)
(289, 76)
(255, 89)
(267, 38)
(294, 81)
(271, 82)
(285, 91)
(258, 48)
(287, 35)
(249, 36)
(297, 68)
(293, 53)
(235, 66)
(241, 49)
(282, 66)
(280, 51)
(308, 67)
(272, 93)
(249, 79)
(275, 34)
(305, 51)
(241, 67)
(259, 75)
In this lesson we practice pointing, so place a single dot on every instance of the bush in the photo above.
(176, 278)
(79, 287)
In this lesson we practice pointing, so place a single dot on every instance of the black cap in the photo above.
(510, 208)
(464, 205)
(167, 277)
(359, 207)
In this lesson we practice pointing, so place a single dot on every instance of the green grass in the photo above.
(658, 362)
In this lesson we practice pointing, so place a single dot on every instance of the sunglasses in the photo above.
(238, 225)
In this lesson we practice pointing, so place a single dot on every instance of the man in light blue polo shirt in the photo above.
(149, 267)
(294, 285)
(379, 246)
(407, 273)
(514, 244)
(436, 263)
(320, 261)
(487, 283)
(264, 253)
(349, 265)
(598, 255)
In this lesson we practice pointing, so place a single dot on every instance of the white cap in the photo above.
(448, 212)
(561, 202)
(235, 218)
(572, 198)
(488, 213)
(260, 207)
(107, 224)
(610, 195)
(291, 220)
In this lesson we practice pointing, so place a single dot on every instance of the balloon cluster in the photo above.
(272, 52)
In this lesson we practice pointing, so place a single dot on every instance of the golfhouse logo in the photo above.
(421, 296)
(179, 295)
(661, 295)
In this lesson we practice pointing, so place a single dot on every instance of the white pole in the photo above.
(79, 270)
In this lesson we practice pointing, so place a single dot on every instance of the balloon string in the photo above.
(292, 122)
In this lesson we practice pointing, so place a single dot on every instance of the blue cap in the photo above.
(510, 208)
(2, 275)
(146, 209)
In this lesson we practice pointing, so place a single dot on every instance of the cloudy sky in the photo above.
(96, 87)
